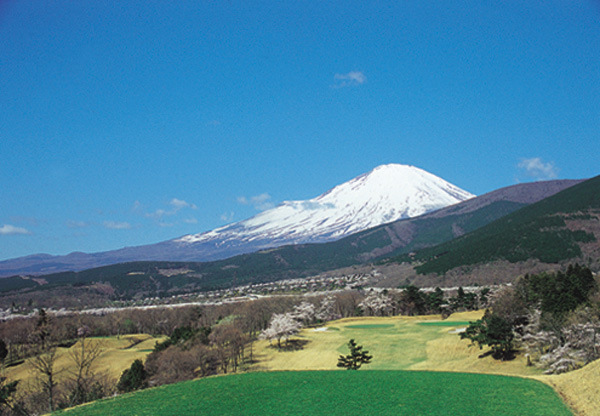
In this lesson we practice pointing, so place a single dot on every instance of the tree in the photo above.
(6, 394)
(83, 382)
(376, 304)
(305, 312)
(3, 351)
(282, 325)
(356, 358)
(46, 373)
(134, 378)
(494, 331)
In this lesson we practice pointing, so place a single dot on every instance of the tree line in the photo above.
(554, 318)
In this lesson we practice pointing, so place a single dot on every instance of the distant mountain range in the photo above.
(387, 193)
(422, 239)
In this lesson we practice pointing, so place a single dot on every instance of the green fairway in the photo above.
(373, 326)
(445, 323)
(339, 393)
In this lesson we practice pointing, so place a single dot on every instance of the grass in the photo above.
(117, 355)
(396, 343)
(346, 392)
(579, 388)
(445, 323)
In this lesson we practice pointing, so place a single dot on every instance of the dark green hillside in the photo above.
(538, 231)
(339, 393)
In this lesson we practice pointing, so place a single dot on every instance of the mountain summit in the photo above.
(387, 193)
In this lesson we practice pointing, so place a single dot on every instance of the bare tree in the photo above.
(45, 374)
(83, 378)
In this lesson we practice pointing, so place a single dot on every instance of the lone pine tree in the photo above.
(356, 358)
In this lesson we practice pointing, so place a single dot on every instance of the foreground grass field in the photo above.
(339, 393)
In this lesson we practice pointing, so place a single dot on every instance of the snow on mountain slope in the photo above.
(387, 193)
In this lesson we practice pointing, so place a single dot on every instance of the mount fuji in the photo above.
(385, 194)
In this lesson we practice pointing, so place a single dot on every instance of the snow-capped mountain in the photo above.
(387, 193)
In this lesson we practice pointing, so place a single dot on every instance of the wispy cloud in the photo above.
(76, 224)
(116, 225)
(260, 202)
(180, 203)
(351, 79)
(176, 206)
(8, 229)
(536, 168)
(190, 221)
(228, 216)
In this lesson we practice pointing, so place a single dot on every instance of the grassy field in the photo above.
(117, 355)
(339, 393)
(396, 343)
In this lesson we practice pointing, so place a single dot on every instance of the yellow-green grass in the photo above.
(579, 388)
(118, 353)
(396, 343)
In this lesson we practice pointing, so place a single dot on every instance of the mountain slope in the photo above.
(166, 278)
(387, 193)
(563, 227)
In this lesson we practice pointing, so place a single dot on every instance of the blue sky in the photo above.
(127, 123)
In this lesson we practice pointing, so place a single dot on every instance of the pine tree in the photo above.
(134, 378)
(356, 358)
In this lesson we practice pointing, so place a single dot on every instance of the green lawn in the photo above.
(340, 392)
(445, 323)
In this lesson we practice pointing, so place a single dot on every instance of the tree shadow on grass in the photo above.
(291, 345)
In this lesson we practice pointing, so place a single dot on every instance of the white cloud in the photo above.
(536, 168)
(190, 221)
(352, 78)
(179, 203)
(76, 224)
(176, 204)
(8, 229)
(228, 216)
(115, 225)
(260, 202)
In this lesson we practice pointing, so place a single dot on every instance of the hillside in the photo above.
(563, 227)
(139, 279)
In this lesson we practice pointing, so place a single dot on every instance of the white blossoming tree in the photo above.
(282, 325)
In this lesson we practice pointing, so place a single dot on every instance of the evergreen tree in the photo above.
(134, 378)
(356, 358)
(494, 331)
